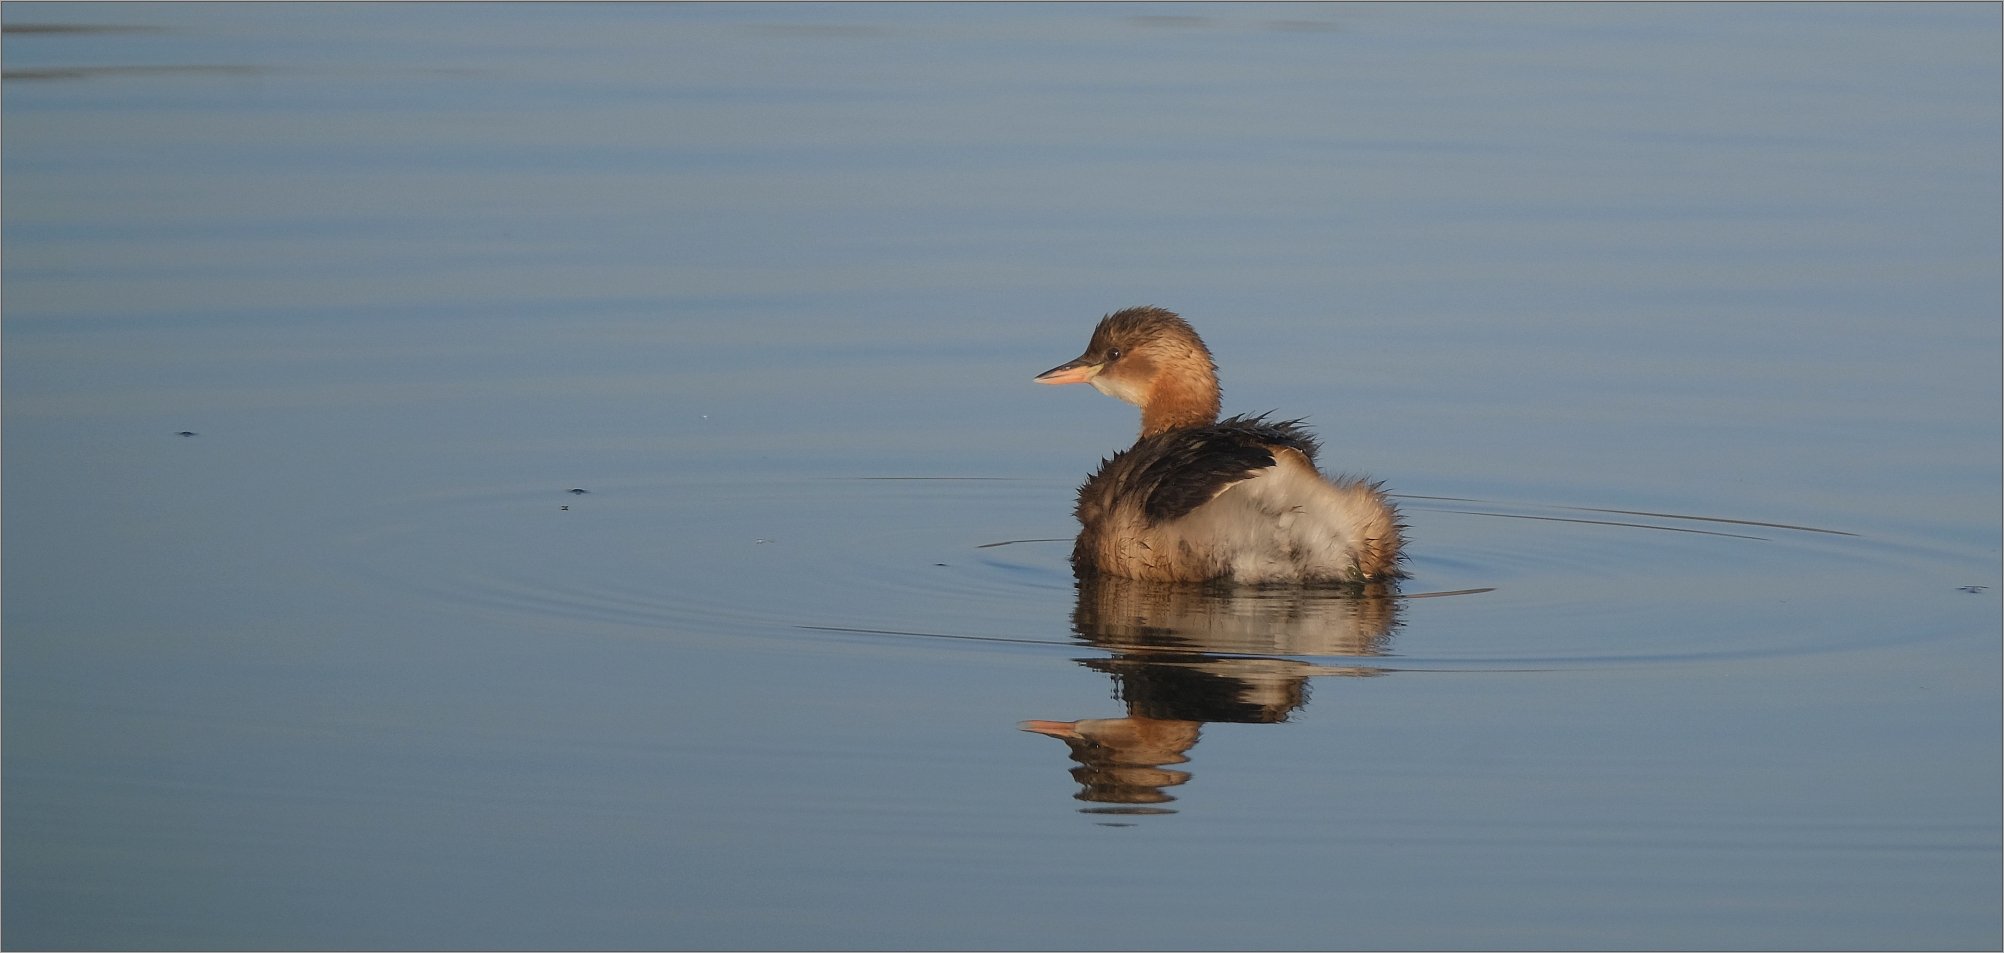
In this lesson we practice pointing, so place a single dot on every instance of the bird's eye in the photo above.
(1113, 354)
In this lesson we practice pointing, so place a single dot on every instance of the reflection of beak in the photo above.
(1077, 372)
(1056, 729)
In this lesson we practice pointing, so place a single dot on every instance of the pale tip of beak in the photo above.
(1067, 374)
(1056, 729)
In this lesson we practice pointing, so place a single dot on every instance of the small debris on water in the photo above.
(563, 507)
(188, 433)
(578, 492)
(761, 541)
(1973, 588)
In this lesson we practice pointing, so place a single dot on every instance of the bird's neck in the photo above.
(1180, 401)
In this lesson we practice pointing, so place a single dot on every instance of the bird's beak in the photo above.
(1077, 372)
(1056, 729)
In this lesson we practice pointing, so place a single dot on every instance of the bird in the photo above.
(1198, 499)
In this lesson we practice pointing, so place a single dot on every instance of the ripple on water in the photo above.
(975, 562)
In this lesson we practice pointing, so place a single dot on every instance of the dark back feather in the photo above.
(1177, 471)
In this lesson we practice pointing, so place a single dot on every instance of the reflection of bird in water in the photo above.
(1197, 498)
(1186, 654)
(1138, 616)
(1120, 759)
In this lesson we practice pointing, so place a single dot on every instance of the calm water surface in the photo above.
(568, 476)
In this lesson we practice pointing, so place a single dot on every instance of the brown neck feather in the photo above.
(1180, 401)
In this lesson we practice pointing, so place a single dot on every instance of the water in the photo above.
(1674, 327)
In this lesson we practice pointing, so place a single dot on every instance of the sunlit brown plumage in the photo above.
(1199, 499)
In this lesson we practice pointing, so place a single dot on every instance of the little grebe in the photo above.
(1197, 498)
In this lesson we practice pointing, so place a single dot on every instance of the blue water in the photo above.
(1675, 328)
